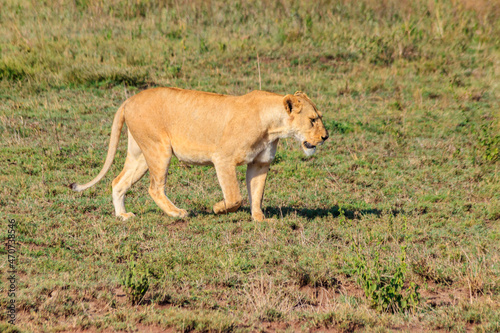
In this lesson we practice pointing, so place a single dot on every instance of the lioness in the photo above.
(206, 128)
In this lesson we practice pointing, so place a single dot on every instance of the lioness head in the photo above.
(305, 121)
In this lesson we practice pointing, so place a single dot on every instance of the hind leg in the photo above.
(135, 167)
(158, 162)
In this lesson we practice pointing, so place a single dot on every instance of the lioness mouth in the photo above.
(308, 145)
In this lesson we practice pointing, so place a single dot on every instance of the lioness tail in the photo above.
(116, 130)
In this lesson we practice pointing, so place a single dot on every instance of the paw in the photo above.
(220, 208)
(258, 216)
(126, 216)
(181, 213)
(223, 207)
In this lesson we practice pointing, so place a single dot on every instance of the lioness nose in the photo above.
(325, 137)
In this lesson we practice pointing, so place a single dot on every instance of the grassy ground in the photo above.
(405, 193)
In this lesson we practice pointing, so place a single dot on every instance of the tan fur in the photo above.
(205, 128)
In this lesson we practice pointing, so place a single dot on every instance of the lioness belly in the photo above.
(193, 153)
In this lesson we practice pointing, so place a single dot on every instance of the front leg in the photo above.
(256, 180)
(226, 174)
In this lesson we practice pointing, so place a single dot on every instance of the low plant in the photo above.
(387, 293)
(490, 143)
(136, 282)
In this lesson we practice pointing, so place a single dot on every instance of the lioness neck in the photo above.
(277, 121)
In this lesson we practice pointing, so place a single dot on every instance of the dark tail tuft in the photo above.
(73, 186)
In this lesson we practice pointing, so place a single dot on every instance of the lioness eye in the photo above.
(313, 121)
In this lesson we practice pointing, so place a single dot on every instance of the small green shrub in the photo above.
(136, 282)
(490, 143)
(386, 293)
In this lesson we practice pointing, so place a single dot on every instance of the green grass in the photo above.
(410, 93)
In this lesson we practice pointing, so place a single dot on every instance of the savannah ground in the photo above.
(405, 192)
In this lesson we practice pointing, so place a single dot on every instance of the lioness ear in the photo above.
(304, 96)
(301, 94)
(292, 104)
